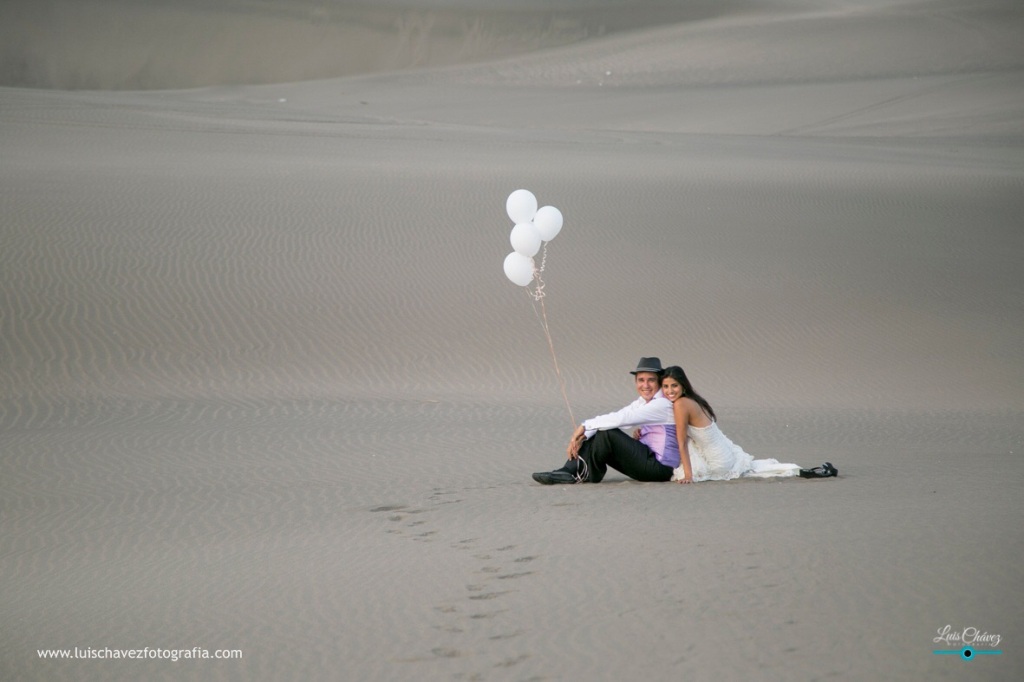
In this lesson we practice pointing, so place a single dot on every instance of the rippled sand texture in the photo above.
(147, 44)
(264, 386)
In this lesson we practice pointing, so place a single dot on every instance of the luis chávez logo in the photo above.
(970, 642)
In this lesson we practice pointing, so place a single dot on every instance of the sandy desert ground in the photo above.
(265, 387)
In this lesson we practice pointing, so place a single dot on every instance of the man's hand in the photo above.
(578, 436)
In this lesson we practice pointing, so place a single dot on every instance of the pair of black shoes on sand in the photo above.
(567, 476)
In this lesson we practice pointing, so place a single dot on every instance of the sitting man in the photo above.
(599, 442)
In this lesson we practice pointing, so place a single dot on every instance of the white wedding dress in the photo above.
(713, 457)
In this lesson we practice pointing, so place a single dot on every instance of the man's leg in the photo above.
(615, 449)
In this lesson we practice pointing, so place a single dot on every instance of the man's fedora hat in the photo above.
(648, 365)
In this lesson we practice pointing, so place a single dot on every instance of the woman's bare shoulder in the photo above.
(684, 405)
(691, 410)
(688, 403)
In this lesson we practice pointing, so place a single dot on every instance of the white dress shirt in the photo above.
(640, 412)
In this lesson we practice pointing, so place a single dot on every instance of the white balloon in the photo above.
(521, 206)
(519, 269)
(525, 239)
(549, 222)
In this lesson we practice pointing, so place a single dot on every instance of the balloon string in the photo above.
(558, 372)
(538, 295)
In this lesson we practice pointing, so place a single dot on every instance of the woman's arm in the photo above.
(681, 412)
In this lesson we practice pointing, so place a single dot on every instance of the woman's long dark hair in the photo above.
(677, 373)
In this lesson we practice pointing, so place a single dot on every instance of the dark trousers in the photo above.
(615, 449)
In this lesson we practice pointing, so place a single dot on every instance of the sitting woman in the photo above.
(705, 453)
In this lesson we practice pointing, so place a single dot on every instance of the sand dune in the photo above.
(263, 384)
(148, 44)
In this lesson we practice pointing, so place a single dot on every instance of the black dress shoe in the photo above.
(824, 471)
(556, 477)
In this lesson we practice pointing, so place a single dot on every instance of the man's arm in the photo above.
(637, 413)
(578, 436)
